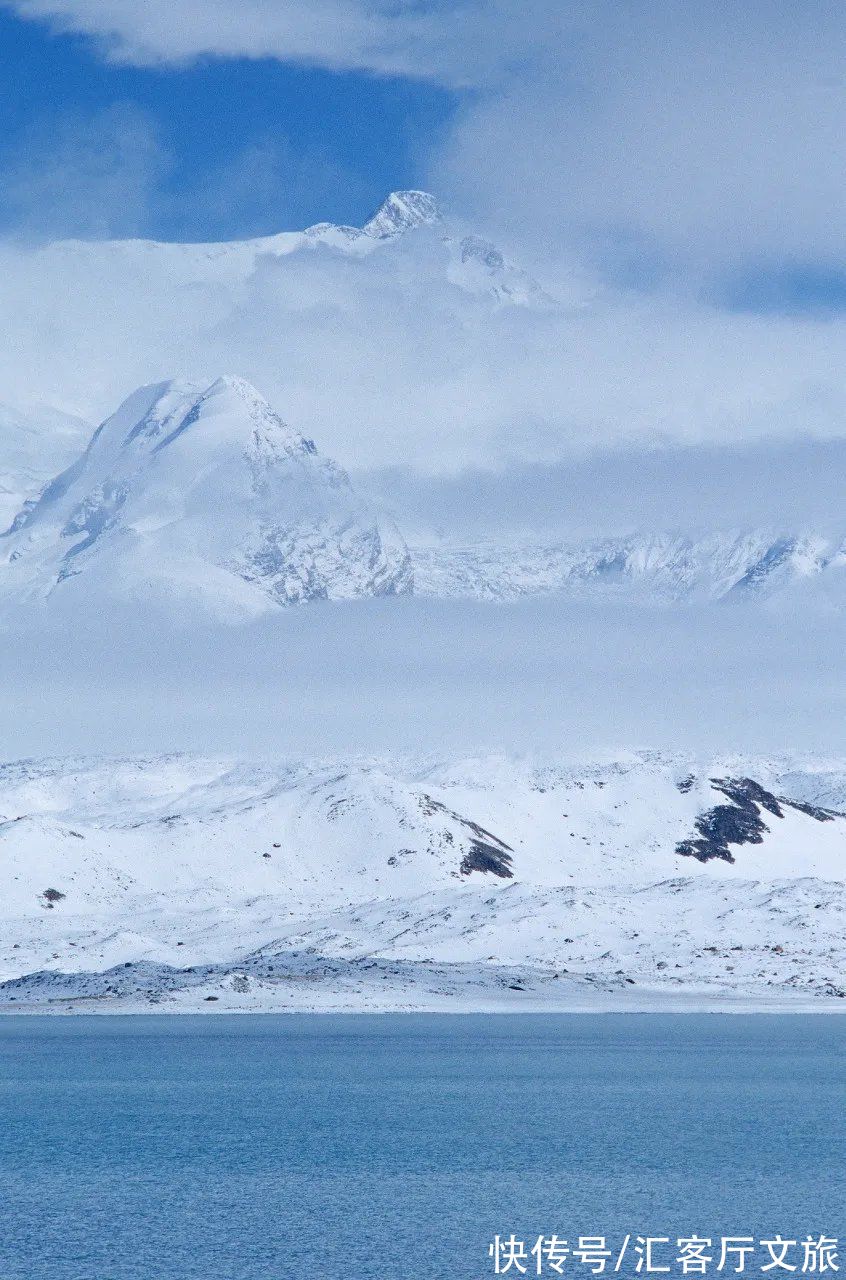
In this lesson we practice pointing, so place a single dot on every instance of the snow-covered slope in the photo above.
(202, 496)
(392, 883)
(34, 446)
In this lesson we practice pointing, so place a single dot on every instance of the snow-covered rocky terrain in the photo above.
(663, 566)
(188, 881)
(201, 495)
(645, 881)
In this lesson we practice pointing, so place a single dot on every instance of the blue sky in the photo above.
(217, 149)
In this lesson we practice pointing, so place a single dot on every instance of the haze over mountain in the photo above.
(444, 349)
(34, 446)
(176, 513)
(202, 497)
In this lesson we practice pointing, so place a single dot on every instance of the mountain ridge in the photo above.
(281, 556)
(662, 566)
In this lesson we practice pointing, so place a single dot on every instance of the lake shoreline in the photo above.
(650, 1006)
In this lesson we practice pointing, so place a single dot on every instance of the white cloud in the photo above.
(678, 138)
(453, 43)
(383, 361)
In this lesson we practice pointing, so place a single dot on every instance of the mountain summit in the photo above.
(203, 493)
(402, 211)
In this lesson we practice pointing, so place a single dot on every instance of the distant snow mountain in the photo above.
(666, 567)
(278, 523)
(393, 883)
(472, 264)
(401, 212)
(182, 290)
(201, 495)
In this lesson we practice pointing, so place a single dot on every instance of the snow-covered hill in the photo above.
(200, 496)
(392, 883)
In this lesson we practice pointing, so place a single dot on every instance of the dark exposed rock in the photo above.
(814, 810)
(743, 790)
(487, 857)
(50, 897)
(487, 853)
(740, 822)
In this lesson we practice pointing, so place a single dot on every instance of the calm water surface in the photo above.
(396, 1147)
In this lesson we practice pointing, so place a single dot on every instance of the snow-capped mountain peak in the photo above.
(402, 211)
(228, 411)
(203, 492)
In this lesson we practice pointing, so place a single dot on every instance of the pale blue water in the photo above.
(396, 1147)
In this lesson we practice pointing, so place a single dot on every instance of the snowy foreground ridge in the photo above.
(180, 883)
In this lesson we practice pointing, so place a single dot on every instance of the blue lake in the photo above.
(397, 1147)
